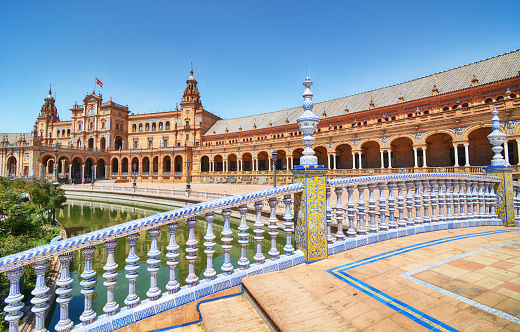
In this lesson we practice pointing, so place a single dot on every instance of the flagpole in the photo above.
(95, 82)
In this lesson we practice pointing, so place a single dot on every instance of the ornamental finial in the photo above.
(497, 138)
(308, 123)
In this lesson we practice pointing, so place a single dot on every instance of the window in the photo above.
(134, 128)
(154, 126)
(150, 143)
(79, 126)
(103, 125)
(68, 132)
(167, 125)
(465, 105)
(160, 126)
(500, 98)
(58, 133)
(489, 100)
(165, 142)
(446, 108)
(136, 143)
(147, 127)
(140, 127)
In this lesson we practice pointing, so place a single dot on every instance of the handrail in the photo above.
(408, 176)
(109, 233)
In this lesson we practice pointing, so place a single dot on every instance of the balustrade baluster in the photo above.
(361, 209)
(227, 268)
(469, 201)
(493, 201)
(339, 212)
(259, 257)
(455, 199)
(516, 201)
(351, 212)
(154, 293)
(487, 199)
(110, 282)
(243, 262)
(383, 226)
(209, 243)
(132, 265)
(328, 193)
(462, 200)
(89, 315)
(289, 225)
(14, 300)
(391, 205)
(434, 199)
(474, 195)
(417, 199)
(64, 289)
(481, 200)
(273, 221)
(191, 252)
(401, 203)
(426, 201)
(41, 296)
(442, 200)
(409, 203)
(372, 208)
(449, 200)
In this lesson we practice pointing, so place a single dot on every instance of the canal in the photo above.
(80, 217)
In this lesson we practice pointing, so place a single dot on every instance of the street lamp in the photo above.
(56, 161)
(134, 166)
(275, 156)
(188, 163)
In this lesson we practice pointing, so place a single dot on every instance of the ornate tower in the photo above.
(48, 115)
(191, 93)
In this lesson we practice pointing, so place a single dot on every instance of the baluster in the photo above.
(372, 208)
(449, 200)
(487, 199)
(64, 290)
(191, 252)
(41, 296)
(442, 200)
(243, 262)
(462, 200)
(328, 193)
(351, 212)
(409, 203)
(391, 205)
(154, 293)
(401, 203)
(481, 200)
(273, 221)
(132, 265)
(289, 225)
(361, 209)
(89, 315)
(339, 212)
(493, 201)
(227, 267)
(14, 300)
(469, 201)
(455, 199)
(259, 257)
(173, 285)
(434, 199)
(516, 202)
(210, 272)
(474, 194)
(110, 282)
(426, 201)
(383, 226)
(418, 202)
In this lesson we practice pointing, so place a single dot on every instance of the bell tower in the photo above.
(45, 121)
(191, 93)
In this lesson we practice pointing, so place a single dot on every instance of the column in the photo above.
(359, 157)
(382, 159)
(334, 160)
(106, 172)
(328, 160)
(287, 163)
(62, 167)
(269, 161)
(506, 153)
(353, 160)
(518, 150)
(82, 173)
(390, 158)
(40, 168)
(415, 157)
(456, 151)
(466, 152)
(94, 174)
(424, 156)
(292, 160)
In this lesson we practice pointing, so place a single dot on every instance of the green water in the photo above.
(80, 217)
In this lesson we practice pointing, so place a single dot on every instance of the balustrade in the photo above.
(436, 199)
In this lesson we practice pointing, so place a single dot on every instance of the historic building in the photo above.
(433, 123)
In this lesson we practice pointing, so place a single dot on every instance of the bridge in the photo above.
(322, 219)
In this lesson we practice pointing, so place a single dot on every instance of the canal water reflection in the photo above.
(80, 217)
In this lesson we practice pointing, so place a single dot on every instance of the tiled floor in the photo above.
(461, 279)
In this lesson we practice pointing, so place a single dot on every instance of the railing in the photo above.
(440, 201)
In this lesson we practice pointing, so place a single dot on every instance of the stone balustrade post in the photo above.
(273, 226)
(259, 257)
(191, 252)
(462, 200)
(339, 212)
(89, 315)
(442, 200)
(401, 203)
(110, 282)
(209, 243)
(409, 203)
(474, 194)
(383, 226)
(372, 228)
(14, 300)
(469, 200)
(329, 214)
(227, 267)
(391, 205)
(351, 212)
(426, 200)
(243, 262)
(455, 199)
(132, 265)
(154, 293)
(41, 296)
(289, 225)
(434, 200)
(417, 199)
(481, 200)
(361, 209)
(449, 200)
(64, 289)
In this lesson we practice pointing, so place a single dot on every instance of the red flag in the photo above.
(98, 82)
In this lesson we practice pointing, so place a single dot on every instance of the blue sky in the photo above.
(249, 57)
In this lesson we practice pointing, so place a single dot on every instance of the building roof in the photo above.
(490, 70)
(13, 137)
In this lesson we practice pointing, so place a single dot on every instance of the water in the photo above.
(80, 217)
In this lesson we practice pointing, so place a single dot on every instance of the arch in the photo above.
(68, 132)
(409, 136)
(154, 126)
(178, 164)
(135, 165)
(147, 127)
(155, 165)
(91, 143)
(140, 127)
(204, 164)
(11, 166)
(367, 140)
(480, 153)
(402, 151)
(167, 165)
(145, 164)
(247, 161)
(232, 162)
(100, 168)
(281, 160)
(115, 166)
(78, 143)
(103, 143)
(370, 155)
(167, 125)
(219, 164)
(89, 162)
(343, 155)
(134, 128)
(124, 166)
(160, 126)
(429, 134)
(76, 169)
(263, 160)
(471, 129)
(58, 133)
(297, 154)
(118, 143)
(322, 154)
(440, 150)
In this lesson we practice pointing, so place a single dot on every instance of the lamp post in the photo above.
(92, 174)
(188, 163)
(275, 156)
(134, 167)
(56, 162)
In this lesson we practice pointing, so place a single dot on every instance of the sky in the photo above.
(249, 57)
